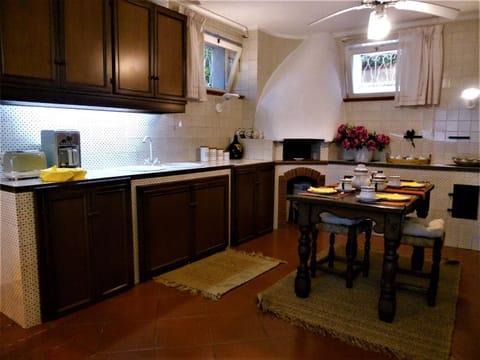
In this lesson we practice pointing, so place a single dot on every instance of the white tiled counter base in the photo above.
(19, 289)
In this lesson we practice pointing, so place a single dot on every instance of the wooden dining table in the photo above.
(388, 217)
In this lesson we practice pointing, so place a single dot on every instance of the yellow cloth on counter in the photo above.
(55, 174)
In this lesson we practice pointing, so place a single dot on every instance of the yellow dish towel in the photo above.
(55, 174)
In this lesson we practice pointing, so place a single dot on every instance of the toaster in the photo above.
(23, 164)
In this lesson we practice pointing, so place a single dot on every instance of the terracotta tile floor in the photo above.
(152, 321)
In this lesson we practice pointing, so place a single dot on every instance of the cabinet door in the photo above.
(244, 204)
(86, 44)
(264, 199)
(210, 200)
(65, 261)
(170, 54)
(133, 44)
(110, 225)
(28, 41)
(164, 227)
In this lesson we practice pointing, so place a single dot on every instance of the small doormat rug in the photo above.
(417, 332)
(217, 274)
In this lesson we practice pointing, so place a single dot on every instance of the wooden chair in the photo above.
(351, 228)
(419, 235)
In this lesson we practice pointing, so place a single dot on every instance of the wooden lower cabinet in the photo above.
(252, 198)
(181, 222)
(85, 244)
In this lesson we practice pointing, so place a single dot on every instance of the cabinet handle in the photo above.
(193, 203)
(93, 213)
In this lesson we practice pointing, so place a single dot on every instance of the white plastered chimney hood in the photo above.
(303, 97)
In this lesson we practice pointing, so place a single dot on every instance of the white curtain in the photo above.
(196, 89)
(419, 66)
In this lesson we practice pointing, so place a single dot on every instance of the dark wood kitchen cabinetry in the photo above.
(252, 198)
(56, 44)
(85, 244)
(181, 222)
(107, 53)
(150, 43)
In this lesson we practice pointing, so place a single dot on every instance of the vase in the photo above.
(363, 155)
(380, 155)
(348, 154)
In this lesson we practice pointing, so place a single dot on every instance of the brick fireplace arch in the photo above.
(282, 188)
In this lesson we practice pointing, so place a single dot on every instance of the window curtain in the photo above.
(419, 67)
(196, 89)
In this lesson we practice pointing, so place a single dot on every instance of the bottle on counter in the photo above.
(235, 148)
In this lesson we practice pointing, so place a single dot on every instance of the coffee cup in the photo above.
(394, 180)
(367, 192)
(379, 184)
(345, 184)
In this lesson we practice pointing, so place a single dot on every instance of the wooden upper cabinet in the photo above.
(170, 54)
(86, 49)
(28, 40)
(133, 43)
(150, 50)
(60, 43)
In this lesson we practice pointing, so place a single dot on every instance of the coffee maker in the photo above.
(61, 147)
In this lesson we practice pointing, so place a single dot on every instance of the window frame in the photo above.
(363, 47)
(229, 45)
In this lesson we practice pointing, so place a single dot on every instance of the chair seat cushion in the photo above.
(337, 220)
(413, 227)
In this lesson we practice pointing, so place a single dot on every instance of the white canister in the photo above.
(212, 154)
(204, 153)
(226, 155)
(219, 155)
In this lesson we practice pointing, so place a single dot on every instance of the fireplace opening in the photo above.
(296, 178)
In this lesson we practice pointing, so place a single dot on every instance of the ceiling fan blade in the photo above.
(427, 8)
(360, 7)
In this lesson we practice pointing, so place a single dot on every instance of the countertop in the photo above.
(23, 185)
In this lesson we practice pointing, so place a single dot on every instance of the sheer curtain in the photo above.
(419, 67)
(196, 89)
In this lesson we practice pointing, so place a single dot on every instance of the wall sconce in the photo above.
(470, 97)
(378, 24)
(225, 97)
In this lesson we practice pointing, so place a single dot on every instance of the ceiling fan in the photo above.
(379, 23)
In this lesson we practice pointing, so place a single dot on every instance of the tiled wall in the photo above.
(435, 124)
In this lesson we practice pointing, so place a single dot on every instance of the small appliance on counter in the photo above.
(61, 147)
(23, 164)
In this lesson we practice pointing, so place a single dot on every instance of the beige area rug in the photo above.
(219, 273)
(417, 332)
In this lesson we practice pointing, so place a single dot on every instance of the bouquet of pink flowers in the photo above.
(381, 141)
(355, 137)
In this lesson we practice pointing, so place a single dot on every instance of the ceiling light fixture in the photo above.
(378, 24)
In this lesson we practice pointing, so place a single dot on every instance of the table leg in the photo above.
(351, 254)
(302, 280)
(387, 303)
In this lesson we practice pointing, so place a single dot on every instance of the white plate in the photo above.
(339, 189)
(367, 200)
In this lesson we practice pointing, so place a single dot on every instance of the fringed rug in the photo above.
(417, 332)
(217, 274)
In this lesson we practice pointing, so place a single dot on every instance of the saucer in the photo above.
(394, 186)
(339, 189)
(367, 200)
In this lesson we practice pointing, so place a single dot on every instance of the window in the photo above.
(221, 62)
(370, 69)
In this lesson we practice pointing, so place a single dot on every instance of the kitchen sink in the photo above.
(182, 165)
(159, 167)
(141, 168)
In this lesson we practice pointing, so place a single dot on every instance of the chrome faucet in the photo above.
(150, 160)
